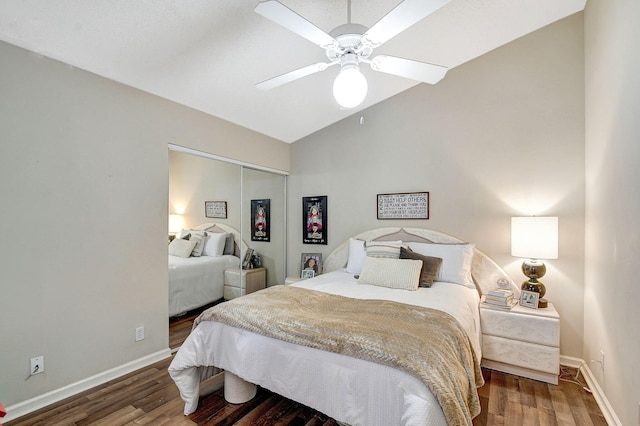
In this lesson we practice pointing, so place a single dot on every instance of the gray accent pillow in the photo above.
(229, 245)
(430, 265)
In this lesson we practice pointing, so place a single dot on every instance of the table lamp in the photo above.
(534, 238)
(175, 225)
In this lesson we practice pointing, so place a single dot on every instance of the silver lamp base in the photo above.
(534, 269)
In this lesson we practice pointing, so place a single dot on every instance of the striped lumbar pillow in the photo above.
(383, 249)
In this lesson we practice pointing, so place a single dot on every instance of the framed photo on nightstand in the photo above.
(311, 261)
(529, 299)
(307, 273)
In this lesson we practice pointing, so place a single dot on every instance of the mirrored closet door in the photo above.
(205, 189)
(263, 222)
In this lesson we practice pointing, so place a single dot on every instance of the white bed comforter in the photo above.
(196, 281)
(350, 390)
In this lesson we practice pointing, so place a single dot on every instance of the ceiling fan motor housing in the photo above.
(349, 38)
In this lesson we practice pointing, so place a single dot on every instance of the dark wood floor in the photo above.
(149, 397)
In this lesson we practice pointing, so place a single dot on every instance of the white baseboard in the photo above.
(570, 361)
(601, 399)
(30, 405)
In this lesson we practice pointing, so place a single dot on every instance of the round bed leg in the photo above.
(236, 390)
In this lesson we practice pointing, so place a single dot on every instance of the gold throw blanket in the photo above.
(426, 343)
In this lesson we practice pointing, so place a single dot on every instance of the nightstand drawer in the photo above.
(254, 280)
(537, 357)
(511, 325)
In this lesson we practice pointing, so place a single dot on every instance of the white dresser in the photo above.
(522, 341)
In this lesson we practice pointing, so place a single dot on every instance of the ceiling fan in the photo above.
(351, 44)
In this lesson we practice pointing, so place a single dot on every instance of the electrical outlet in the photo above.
(139, 333)
(602, 360)
(37, 365)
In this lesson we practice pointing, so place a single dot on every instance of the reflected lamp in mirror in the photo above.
(175, 225)
(534, 238)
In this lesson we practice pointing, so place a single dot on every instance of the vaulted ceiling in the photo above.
(208, 55)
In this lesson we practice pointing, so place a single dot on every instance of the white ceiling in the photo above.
(208, 54)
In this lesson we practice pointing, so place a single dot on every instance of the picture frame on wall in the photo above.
(403, 205)
(314, 220)
(311, 262)
(261, 220)
(215, 209)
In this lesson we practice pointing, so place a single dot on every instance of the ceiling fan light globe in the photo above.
(350, 87)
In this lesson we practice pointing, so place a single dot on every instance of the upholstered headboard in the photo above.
(484, 271)
(240, 247)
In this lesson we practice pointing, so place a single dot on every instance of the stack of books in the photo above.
(500, 299)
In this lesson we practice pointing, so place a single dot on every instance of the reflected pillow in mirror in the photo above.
(214, 244)
(181, 248)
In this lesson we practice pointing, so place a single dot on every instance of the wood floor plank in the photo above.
(530, 416)
(120, 417)
(527, 393)
(543, 397)
(561, 406)
(497, 393)
(162, 415)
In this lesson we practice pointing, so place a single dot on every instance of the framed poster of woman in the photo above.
(314, 220)
(261, 215)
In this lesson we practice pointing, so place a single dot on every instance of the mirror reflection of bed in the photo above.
(196, 177)
(354, 386)
(196, 274)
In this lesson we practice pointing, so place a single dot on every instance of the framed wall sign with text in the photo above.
(215, 209)
(404, 205)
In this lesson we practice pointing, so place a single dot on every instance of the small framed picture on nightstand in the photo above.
(529, 299)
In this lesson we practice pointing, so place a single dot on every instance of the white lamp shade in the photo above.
(350, 87)
(534, 237)
(175, 223)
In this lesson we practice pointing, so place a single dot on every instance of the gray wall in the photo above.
(194, 180)
(84, 190)
(612, 67)
(500, 136)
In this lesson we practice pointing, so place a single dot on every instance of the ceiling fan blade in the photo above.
(420, 71)
(400, 18)
(282, 15)
(292, 75)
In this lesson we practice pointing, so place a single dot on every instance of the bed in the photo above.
(195, 281)
(365, 390)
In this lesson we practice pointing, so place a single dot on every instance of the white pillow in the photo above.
(214, 244)
(357, 253)
(456, 261)
(394, 273)
(181, 248)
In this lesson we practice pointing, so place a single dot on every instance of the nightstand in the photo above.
(522, 341)
(255, 279)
